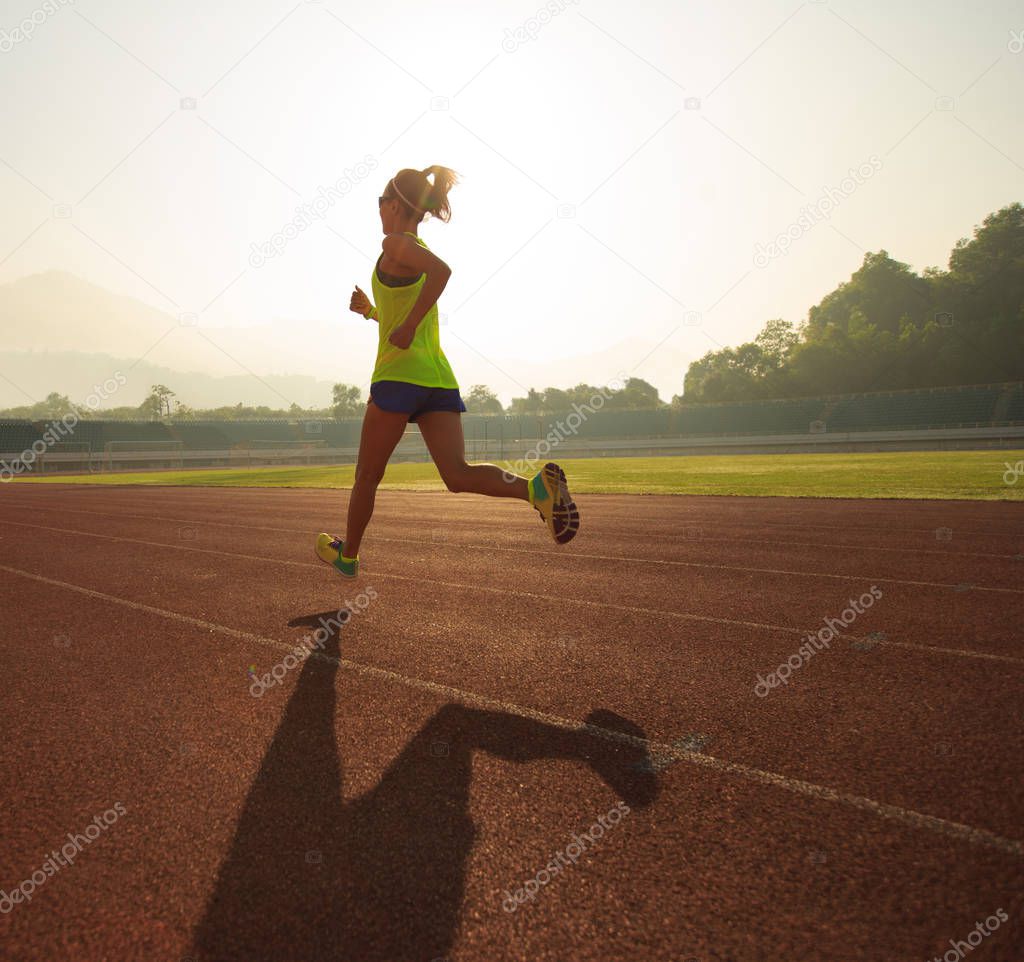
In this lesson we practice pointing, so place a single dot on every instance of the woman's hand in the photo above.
(402, 336)
(360, 303)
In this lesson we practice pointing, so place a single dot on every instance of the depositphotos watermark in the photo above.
(60, 429)
(961, 947)
(1013, 472)
(314, 641)
(814, 214)
(566, 429)
(308, 214)
(10, 39)
(560, 860)
(530, 28)
(55, 861)
(815, 641)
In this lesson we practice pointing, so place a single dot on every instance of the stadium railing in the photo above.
(986, 415)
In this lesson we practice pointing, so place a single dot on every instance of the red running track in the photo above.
(497, 698)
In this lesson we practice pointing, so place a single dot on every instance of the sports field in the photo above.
(722, 729)
(967, 475)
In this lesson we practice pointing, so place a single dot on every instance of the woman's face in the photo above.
(389, 209)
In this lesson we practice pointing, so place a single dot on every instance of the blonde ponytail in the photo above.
(437, 198)
(419, 196)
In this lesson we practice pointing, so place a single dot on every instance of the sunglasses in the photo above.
(383, 198)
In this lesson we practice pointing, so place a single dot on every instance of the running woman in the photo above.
(412, 380)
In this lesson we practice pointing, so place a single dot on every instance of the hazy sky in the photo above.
(621, 164)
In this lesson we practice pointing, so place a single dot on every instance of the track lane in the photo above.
(470, 644)
(717, 868)
(929, 614)
(988, 571)
(712, 866)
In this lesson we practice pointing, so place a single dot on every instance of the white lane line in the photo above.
(956, 830)
(874, 579)
(205, 496)
(554, 599)
(47, 506)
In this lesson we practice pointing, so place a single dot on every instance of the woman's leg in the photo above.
(442, 432)
(382, 430)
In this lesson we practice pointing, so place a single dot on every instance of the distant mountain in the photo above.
(62, 311)
(61, 333)
(75, 374)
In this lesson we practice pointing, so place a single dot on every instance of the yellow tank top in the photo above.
(424, 362)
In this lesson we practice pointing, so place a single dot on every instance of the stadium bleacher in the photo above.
(751, 417)
(207, 436)
(954, 407)
(1014, 403)
(17, 436)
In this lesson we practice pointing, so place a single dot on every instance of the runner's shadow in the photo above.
(320, 618)
(311, 876)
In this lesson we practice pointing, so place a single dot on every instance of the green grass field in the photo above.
(964, 475)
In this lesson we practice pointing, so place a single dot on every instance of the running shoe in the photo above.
(549, 494)
(330, 549)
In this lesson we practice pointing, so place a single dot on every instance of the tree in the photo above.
(883, 289)
(725, 375)
(347, 401)
(482, 400)
(776, 340)
(889, 328)
(636, 395)
(54, 405)
(533, 403)
(158, 404)
(555, 400)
